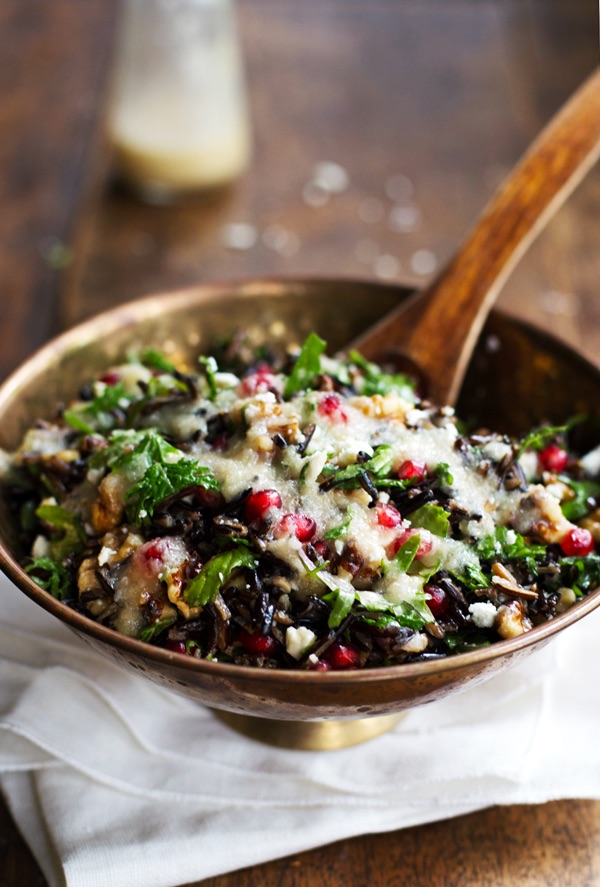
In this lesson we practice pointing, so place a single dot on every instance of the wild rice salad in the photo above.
(314, 514)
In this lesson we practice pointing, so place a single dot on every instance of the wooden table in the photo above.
(447, 94)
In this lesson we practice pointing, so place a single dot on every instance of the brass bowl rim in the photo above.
(150, 306)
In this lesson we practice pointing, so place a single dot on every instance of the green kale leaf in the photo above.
(582, 574)
(414, 614)
(71, 536)
(377, 466)
(507, 545)
(155, 629)
(207, 584)
(433, 518)
(407, 552)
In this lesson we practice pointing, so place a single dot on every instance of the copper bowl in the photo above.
(518, 377)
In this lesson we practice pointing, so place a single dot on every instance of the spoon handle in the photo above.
(437, 329)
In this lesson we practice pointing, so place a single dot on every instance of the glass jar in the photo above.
(178, 118)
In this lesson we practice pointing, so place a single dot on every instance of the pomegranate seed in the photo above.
(388, 516)
(340, 656)
(208, 498)
(299, 525)
(176, 647)
(320, 665)
(260, 503)
(425, 542)
(577, 542)
(258, 644)
(259, 381)
(438, 600)
(111, 378)
(331, 407)
(221, 442)
(553, 458)
(322, 548)
(151, 556)
(411, 470)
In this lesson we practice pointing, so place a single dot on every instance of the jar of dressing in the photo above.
(178, 118)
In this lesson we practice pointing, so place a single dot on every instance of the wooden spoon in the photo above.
(437, 329)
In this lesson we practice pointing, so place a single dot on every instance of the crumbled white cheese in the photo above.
(529, 464)
(226, 380)
(40, 547)
(94, 475)
(402, 588)
(414, 417)
(591, 462)
(416, 644)
(314, 466)
(129, 374)
(557, 490)
(496, 450)
(298, 640)
(483, 614)
(46, 441)
(105, 555)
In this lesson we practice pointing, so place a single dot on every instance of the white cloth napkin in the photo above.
(113, 780)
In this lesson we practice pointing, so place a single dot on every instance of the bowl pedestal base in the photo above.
(310, 735)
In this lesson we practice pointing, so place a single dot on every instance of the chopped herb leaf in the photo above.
(336, 532)
(101, 414)
(376, 381)
(119, 445)
(150, 447)
(539, 437)
(162, 480)
(472, 576)
(51, 576)
(576, 508)
(210, 368)
(157, 361)
(442, 469)
(307, 366)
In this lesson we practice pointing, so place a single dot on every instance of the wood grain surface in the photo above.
(446, 96)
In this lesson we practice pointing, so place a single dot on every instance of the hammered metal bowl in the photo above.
(519, 377)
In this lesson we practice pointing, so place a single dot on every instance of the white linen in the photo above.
(113, 780)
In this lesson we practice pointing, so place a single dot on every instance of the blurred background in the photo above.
(417, 108)
(379, 130)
